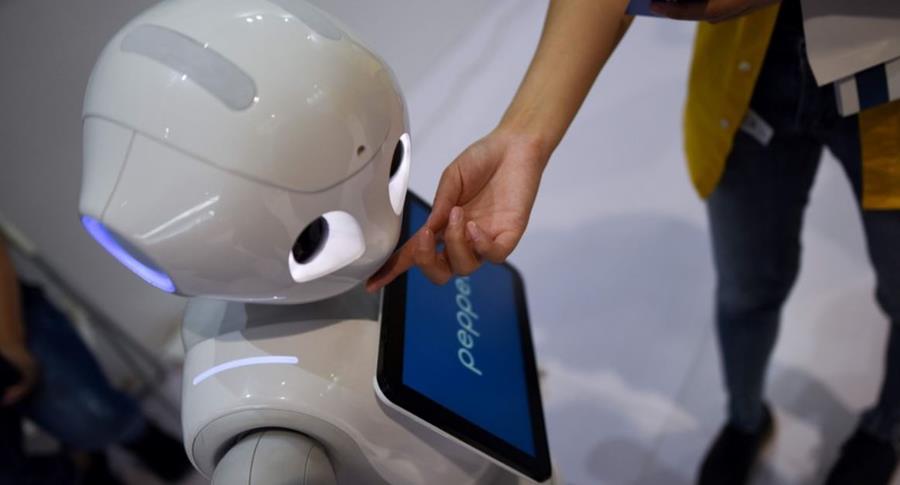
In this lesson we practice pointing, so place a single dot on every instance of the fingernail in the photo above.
(455, 215)
(473, 231)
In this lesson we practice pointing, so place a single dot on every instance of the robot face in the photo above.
(211, 170)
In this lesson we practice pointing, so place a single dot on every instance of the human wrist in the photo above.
(536, 139)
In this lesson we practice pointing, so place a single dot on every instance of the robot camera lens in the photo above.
(398, 157)
(310, 240)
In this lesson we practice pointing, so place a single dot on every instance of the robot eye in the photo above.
(399, 175)
(329, 243)
(398, 158)
(310, 240)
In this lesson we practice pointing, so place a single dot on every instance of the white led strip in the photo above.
(234, 364)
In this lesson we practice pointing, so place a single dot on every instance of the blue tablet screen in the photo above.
(463, 348)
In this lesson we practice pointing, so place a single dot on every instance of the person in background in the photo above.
(48, 375)
(755, 127)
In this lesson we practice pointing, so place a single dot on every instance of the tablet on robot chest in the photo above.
(459, 358)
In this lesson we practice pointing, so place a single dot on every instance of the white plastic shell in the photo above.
(215, 194)
(318, 100)
(327, 394)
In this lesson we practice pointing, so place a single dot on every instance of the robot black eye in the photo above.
(398, 157)
(310, 240)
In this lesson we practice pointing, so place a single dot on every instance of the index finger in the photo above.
(397, 264)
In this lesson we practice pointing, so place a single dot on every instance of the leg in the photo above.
(73, 400)
(755, 218)
(18, 468)
(882, 230)
(756, 214)
(12, 456)
(870, 456)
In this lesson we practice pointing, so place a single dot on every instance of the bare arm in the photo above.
(485, 196)
(490, 188)
(579, 37)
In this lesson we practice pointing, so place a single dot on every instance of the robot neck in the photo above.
(207, 318)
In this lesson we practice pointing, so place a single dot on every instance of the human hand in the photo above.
(710, 10)
(481, 209)
(20, 358)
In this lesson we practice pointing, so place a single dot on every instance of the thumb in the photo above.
(495, 250)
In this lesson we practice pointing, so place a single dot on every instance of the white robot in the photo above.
(255, 155)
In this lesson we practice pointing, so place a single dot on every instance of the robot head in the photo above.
(246, 150)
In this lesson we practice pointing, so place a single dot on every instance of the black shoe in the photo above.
(864, 460)
(162, 454)
(734, 452)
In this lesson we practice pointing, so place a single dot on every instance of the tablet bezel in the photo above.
(390, 380)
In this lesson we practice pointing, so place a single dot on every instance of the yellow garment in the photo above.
(727, 60)
(879, 133)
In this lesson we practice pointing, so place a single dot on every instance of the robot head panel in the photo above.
(247, 150)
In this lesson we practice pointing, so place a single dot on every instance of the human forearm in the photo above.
(485, 196)
(579, 37)
(12, 332)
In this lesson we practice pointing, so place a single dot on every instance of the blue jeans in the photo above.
(73, 401)
(756, 214)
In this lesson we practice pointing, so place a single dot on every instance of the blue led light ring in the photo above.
(114, 246)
